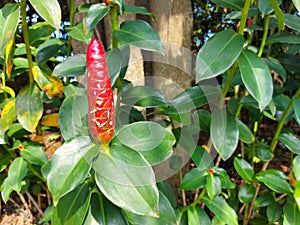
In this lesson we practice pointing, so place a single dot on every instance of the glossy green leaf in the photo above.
(292, 22)
(291, 63)
(278, 13)
(264, 199)
(194, 179)
(221, 209)
(16, 173)
(167, 191)
(291, 214)
(6, 190)
(166, 215)
(34, 154)
(297, 4)
(150, 139)
(71, 117)
(275, 180)
(72, 208)
(123, 170)
(256, 77)
(275, 65)
(129, 9)
(103, 212)
(8, 115)
(296, 167)
(284, 37)
(246, 193)
(49, 10)
(9, 18)
(224, 133)
(244, 169)
(197, 216)
(265, 154)
(291, 142)
(274, 212)
(238, 14)
(29, 107)
(95, 13)
(70, 165)
(114, 62)
(265, 7)
(39, 33)
(4, 161)
(297, 194)
(73, 66)
(213, 186)
(296, 102)
(245, 133)
(232, 4)
(48, 49)
(140, 34)
(194, 97)
(203, 117)
(218, 54)
(202, 158)
(77, 32)
(145, 96)
(225, 179)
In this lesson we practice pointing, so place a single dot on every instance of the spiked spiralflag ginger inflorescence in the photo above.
(101, 118)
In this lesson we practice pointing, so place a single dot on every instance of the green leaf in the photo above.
(194, 179)
(123, 170)
(145, 96)
(225, 179)
(9, 18)
(103, 212)
(274, 212)
(275, 65)
(29, 107)
(166, 215)
(265, 7)
(71, 114)
(292, 22)
(213, 186)
(5, 161)
(278, 13)
(8, 115)
(49, 10)
(245, 133)
(73, 66)
(77, 32)
(167, 191)
(218, 54)
(16, 173)
(224, 132)
(297, 4)
(34, 154)
(150, 139)
(48, 49)
(291, 142)
(6, 190)
(70, 165)
(284, 37)
(197, 216)
(275, 180)
(296, 167)
(39, 33)
(246, 193)
(221, 209)
(140, 34)
(265, 154)
(114, 64)
(72, 208)
(244, 169)
(264, 199)
(291, 214)
(95, 13)
(256, 77)
(296, 102)
(194, 97)
(129, 9)
(297, 194)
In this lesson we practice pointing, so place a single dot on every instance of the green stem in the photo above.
(36, 173)
(198, 199)
(26, 40)
(114, 24)
(265, 35)
(245, 222)
(244, 17)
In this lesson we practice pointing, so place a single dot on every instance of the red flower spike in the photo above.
(101, 117)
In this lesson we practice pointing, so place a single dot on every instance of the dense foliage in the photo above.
(247, 77)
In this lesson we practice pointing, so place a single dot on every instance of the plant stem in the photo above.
(198, 199)
(26, 40)
(265, 34)
(114, 24)
(244, 17)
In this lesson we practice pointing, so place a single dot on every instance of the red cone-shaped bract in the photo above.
(101, 118)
